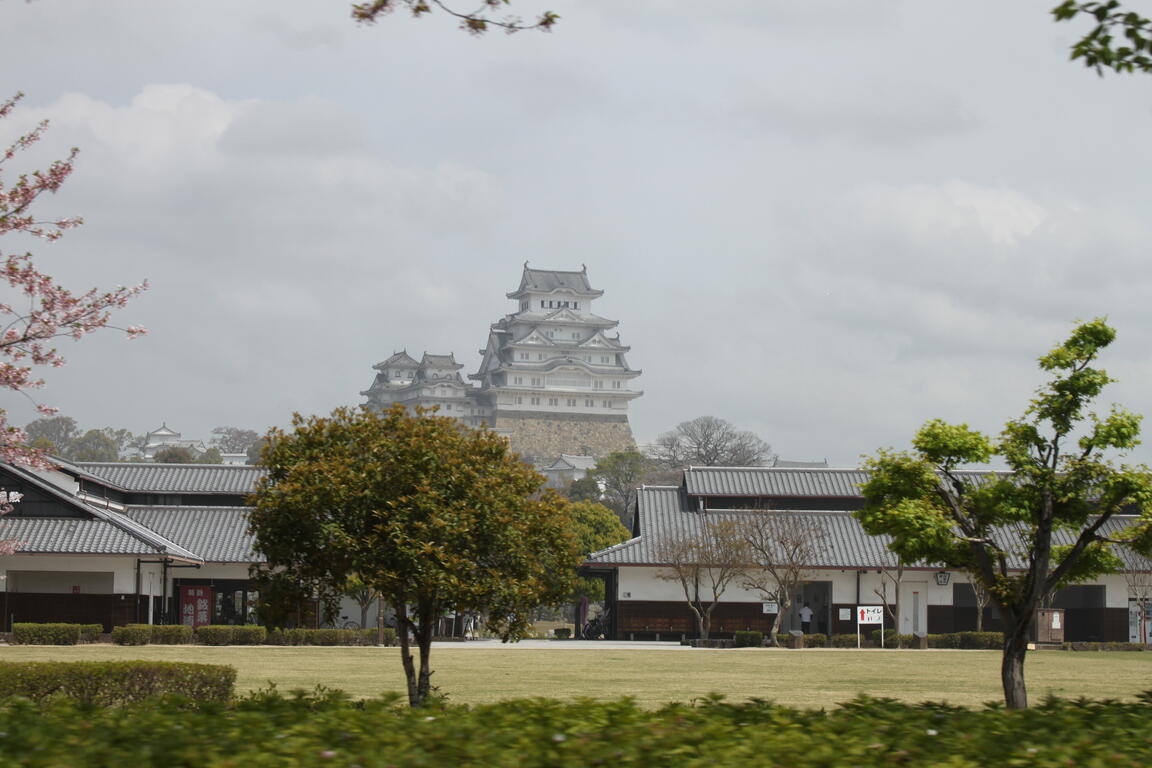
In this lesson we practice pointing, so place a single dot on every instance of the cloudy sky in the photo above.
(824, 221)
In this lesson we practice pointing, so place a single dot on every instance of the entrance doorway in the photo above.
(195, 606)
(818, 595)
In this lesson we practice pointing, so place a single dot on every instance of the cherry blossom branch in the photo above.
(475, 22)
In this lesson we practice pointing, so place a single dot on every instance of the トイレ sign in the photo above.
(869, 614)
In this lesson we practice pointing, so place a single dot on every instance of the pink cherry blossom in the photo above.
(37, 310)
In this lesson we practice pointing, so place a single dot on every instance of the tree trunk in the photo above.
(1017, 628)
(402, 627)
(701, 623)
(979, 617)
(1012, 672)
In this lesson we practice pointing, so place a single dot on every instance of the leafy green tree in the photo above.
(1006, 531)
(93, 445)
(475, 22)
(60, 431)
(1099, 48)
(210, 456)
(584, 489)
(619, 474)
(434, 516)
(175, 454)
(122, 438)
(255, 450)
(595, 527)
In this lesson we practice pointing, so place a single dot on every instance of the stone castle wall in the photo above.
(547, 435)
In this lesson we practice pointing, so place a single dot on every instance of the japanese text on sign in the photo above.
(869, 614)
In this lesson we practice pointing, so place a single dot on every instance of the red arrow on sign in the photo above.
(861, 614)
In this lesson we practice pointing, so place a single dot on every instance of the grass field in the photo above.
(811, 678)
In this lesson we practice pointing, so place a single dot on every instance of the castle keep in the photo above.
(551, 378)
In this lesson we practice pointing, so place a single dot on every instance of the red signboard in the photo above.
(195, 606)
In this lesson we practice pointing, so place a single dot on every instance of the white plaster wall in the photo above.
(644, 584)
(122, 568)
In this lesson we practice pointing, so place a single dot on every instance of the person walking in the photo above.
(806, 619)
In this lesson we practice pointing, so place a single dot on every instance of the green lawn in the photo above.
(810, 678)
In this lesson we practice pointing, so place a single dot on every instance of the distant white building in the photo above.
(165, 437)
(552, 378)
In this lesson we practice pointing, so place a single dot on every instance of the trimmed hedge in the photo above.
(115, 683)
(270, 729)
(748, 639)
(46, 634)
(224, 634)
(132, 634)
(171, 634)
(90, 633)
(299, 636)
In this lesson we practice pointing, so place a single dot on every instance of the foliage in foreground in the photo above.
(114, 683)
(327, 729)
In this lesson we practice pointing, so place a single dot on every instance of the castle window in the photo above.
(589, 403)
(553, 401)
(572, 402)
(523, 355)
(575, 334)
(603, 359)
(606, 403)
(519, 379)
(541, 303)
(598, 384)
(537, 382)
(616, 385)
(519, 400)
(535, 401)
(575, 305)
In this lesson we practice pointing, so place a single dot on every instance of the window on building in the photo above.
(539, 355)
(572, 402)
(575, 305)
(519, 400)
(589, 403)
(518, 380)
(616, 385)
(575, 334)
(535, 401)
(537, 382)
(541, 303)
(553, 401)
(598, 384)
(523, 355)
(606, 403)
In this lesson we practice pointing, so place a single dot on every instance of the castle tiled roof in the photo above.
(398, 359)
(552, 280)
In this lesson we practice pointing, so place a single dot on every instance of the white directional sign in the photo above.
(869, 614)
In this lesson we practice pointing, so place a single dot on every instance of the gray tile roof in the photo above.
(216, 534)
(773, 481)
(666, 513)
(176, 478)
(397, 360)
(796, 482)
(71, 536)
(547, 280)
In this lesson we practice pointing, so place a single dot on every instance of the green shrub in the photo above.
(562, 633)
(981, 641)
(297, 636)
(248, 634)
(45, 634)
(90, 633)
(950, 640)
(1107, 646)
(816, 640)
(132, 634)
(171, 634)
(214, 634)
(326, 728)
(748, 639)
(843, 641)
(113, 683)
